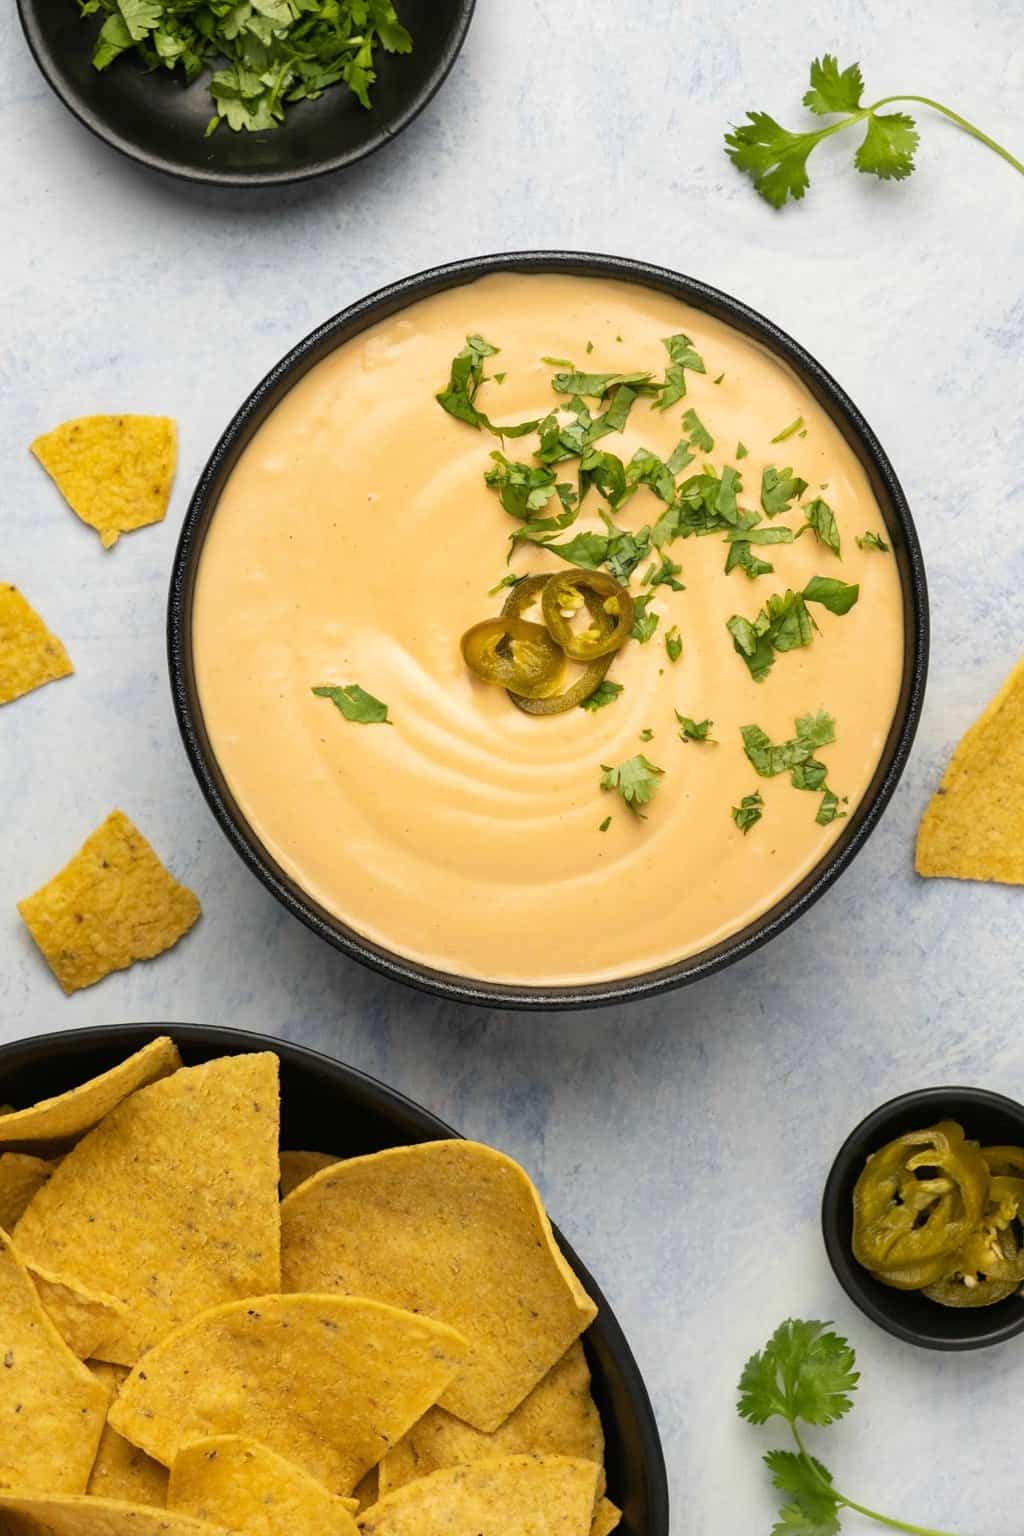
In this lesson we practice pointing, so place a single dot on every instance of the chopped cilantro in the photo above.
(796, 757)
(779, 489)
(646, 734)
(506, 581)
(721, 376)
(794, 426)
(693, 730)
(590, 346)
(673, 643)
(644, 623)
(607, 821)
(871, 540)
(748, 812)
(596, 385)
(664, 575)
(682, 355)
(604, 693)
(821, 521)
(464, 381)
(636, 780)
(837, 596)
(700, 437)
(742, 450)
(742, 556)
(499, 378)
(828, 810)
(356, 704)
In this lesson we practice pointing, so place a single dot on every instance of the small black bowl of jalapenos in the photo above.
(923, 1217)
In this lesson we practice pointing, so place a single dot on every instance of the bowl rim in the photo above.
(381, 304)
(97, 124)
(388, 1101)
(840, 1256)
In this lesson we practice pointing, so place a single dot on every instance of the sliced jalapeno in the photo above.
(566, 592)
(917, 1200)
(519, 599)
(515, 654)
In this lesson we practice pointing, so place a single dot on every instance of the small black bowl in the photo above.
(329, 1107)
(986, 1117)
(155, 119)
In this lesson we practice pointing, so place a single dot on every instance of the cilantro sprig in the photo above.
(806, 1375)
(776, 159)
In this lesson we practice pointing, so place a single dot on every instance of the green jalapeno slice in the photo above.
(513, 653)
(566, 592)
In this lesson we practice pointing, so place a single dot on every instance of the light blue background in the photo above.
(683, 1143)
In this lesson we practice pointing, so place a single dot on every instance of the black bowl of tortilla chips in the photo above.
(328, 1111)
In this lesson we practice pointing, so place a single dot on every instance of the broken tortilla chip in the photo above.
(455, 1231)
(170, 1205)
(51, 1408)
(121, 1470)
(297, 1167)
(73, 1113)
(328, 1382)
(500, 1496)
(24, 1515)
(29, 654)
(84, 1319)
(21, 1175)
(246, 1487)
(114, 472)
(973, 827)
(113, 904)
(558, 1418)
(606, 1518)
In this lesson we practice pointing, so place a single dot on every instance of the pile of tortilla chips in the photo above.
(392, 1349)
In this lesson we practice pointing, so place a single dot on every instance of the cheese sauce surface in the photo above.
(356, 541)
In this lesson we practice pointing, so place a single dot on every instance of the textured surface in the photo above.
(675, 1139)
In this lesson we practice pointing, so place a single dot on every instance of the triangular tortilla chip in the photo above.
(121, 1470)
(23, 1515)
(21, 1175)
(606, 1519)
(51, 1408)
(558, 1418)
(297, 1167)
(115, 472)
(245, 1486)
(29, 654)
(84, 1319)
(73, 1113)
(973, 828)
(170, 1204)
(112, 904)
(325, 1381)
(453, 1230)
(500, 1496)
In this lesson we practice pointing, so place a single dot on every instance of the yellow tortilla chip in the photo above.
(244, 1486)
(973, 828)
(500, 1496)
(170, 1204)
(121, 1470)
(606, 1518)
(84, 1319)
(453, 1230)
(113, 904)
(73, 1113)
(558, 1418)
(115, 472)
(29, 654)
(51, 1408)
(21, 1175)
(23, 1515)
(326, 1381)
(297, 1167)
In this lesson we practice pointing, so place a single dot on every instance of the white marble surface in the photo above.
(683, 1143)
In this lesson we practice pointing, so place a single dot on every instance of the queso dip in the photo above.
(356, 541)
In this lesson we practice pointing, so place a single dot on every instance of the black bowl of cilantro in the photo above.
(245, 92)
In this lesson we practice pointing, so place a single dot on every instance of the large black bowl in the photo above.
(329, 1107)
(386, 302)
(156, 120)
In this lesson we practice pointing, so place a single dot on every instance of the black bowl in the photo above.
(388, 301)
(329, 1107)
(986, 1117)
(156, 120)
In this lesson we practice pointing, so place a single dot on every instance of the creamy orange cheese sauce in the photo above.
(356, 542)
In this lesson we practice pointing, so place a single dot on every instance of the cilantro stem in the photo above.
(954, 117)
(840, 1498)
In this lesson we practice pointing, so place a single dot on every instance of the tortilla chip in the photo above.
(326, 1381)
(606, 1518)
(121, 1470)
(21, 1175)
(51, 1408)
(973, 828)
(297, 1167)
(170, 1204)
(23, 1515)
(84, 1319)
(558, 1418)
(29, 654)
(114, 472)
(453, 1230)
(113, 904)
(73, 1113)
(500, 1496)
(242, 1485)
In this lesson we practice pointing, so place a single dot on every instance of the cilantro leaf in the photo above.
(644, 623)
(700, 437)
(693, 730)
(605, 824)
(783, 624)
(604, 693)
(828, 810)
(596, 385)
(742, 450)
(355, 704)
(748, 812)
(821, 521)
(636, 780)
(464, 380)
(585, 549)
(741, 556)
(795, 426)
(664, 575)
(887, 150)
(803, 1373)
(682, 355)
(673, 644)
(774, 158)
(779, 489)
(832, 89)
(872, 540)
(837, 596)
